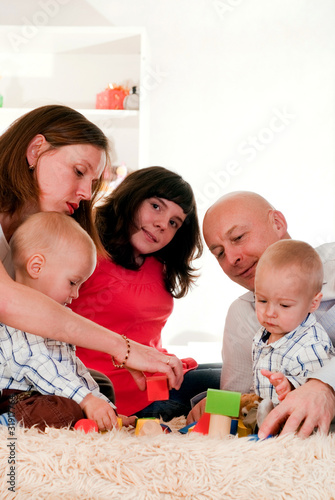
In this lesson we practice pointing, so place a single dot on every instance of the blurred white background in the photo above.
(243, 100)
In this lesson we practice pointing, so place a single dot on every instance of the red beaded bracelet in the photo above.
(123, 364)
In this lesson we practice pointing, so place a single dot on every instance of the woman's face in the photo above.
(65, 176)
(156, 223)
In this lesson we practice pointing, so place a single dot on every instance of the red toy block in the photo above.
(86, 425)
(202, 425)
(157, 388)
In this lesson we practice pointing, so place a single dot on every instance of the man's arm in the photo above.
(240, 327)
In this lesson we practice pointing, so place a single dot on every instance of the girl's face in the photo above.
(65, 176)
(156, 223)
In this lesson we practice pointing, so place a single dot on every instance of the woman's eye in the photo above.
(79, 173)
(238, 237)
(284, 305)
(155, 206)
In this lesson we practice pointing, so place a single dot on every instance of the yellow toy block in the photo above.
(148, 426)
(242, 430)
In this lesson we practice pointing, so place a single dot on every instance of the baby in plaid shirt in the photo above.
(290, 345)
(54, 255)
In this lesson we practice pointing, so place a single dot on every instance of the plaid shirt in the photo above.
(48, 366)
(297, 354)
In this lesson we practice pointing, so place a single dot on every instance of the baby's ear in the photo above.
(315, 302)
(35, 265)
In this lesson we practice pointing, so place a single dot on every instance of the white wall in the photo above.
(243, 99)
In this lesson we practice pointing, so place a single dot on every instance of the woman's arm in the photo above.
(29, 310)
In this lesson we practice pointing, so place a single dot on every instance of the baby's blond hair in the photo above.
(46, 232)
(298, 254)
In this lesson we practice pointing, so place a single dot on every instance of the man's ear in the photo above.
(36, 146)
(278, 222)
(315, 302)
(35, 265)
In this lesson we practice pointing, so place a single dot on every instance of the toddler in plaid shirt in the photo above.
(290, 345)
(54, 255)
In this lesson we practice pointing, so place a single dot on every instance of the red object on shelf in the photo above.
(111, 98)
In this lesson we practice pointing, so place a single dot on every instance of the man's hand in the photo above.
(196, 412)
(99, 410)
(310, 406)
(280, 382)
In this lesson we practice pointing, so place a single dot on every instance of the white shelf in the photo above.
(69, 65)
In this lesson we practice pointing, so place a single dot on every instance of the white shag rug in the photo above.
(66, 464)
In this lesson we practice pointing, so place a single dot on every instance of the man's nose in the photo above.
(232, 256)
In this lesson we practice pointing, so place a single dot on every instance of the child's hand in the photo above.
(280, 382)
(127, 421)
(99, 410)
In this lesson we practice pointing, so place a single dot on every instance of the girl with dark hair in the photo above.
(52, 159)
(149, 227)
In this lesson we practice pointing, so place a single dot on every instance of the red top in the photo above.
(133, 303)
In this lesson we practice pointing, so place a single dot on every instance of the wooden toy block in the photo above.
(86, 425)
(242, 430)
(202, 425)
(157, 388)
(148, 427)
(222, 405)
(141, 421)
(234, 426)
(223, 402)
(219, 425)
(187, 428)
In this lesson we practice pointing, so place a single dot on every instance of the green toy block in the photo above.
(223, 402)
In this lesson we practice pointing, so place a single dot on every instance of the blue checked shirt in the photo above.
(242, 324)
(47, 366)
(297, 355)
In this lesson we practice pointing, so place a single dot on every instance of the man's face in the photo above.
(237, 235)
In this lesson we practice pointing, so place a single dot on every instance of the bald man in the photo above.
(237, 229)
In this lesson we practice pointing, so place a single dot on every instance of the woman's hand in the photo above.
(147, 359)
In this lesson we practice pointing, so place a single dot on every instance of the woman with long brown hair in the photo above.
(52, 159)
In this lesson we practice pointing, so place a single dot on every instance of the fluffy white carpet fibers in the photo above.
(65, 464)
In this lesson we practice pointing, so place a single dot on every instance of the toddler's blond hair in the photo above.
(46, 232)
(297, 254)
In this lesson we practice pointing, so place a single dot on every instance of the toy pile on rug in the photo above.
(163, 463)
